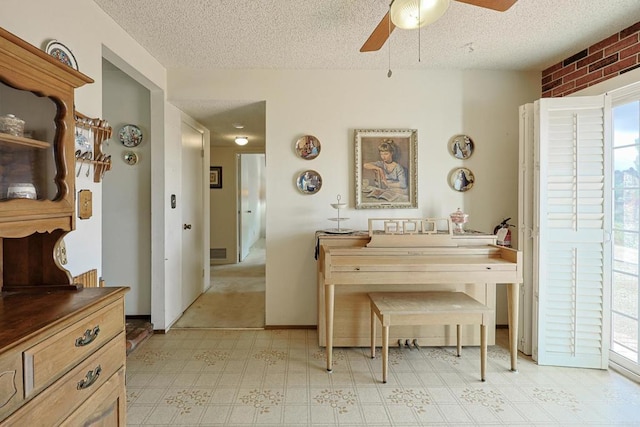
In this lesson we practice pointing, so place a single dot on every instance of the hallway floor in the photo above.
(277, 377)
(236, 298)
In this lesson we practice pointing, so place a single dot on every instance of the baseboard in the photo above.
(139, 316)
(272, 327)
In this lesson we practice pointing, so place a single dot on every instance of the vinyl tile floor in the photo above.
(194, 377)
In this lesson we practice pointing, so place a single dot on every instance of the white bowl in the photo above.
(21, 190)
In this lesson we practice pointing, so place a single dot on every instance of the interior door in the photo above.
(572, 213)
(192, 218)
(244, 217)
(250, 171)
(526, 225)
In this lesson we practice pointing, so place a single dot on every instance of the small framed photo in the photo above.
(215, 177)
(386, 168)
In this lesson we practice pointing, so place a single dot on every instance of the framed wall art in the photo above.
(386, 168)
(215, 177)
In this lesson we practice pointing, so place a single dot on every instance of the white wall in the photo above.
(90, 33)
(126, 213)
(439, 104)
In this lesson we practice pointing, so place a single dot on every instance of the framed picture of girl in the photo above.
(386, 168)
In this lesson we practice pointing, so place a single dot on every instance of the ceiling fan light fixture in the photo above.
(411, 14)
(242, 140)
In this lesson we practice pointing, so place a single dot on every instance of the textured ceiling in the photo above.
(327, 34)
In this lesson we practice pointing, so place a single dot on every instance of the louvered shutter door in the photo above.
(526, 225)
(571, 250)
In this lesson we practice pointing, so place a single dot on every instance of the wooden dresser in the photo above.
(62, 346)
(63, 358)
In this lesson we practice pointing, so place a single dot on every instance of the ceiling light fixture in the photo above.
(411, 14)
(238, 125)
(242, 140)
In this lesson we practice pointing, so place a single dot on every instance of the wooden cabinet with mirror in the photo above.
(62, 346)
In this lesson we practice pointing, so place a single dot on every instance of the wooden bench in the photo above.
(427, 308)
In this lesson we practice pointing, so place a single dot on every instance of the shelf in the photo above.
(101, 131)
(19, 140)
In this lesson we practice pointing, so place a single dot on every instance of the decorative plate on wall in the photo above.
(308, 147)
(461, 179)
(461, 146)
(309, 182)
(130, 158)
(62, 53)
(130, 135)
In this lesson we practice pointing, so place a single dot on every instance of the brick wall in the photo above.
(608, 58)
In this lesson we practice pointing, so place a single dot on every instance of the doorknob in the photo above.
(186, 227)
(248, 211)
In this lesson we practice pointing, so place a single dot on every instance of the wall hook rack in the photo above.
(100, 131)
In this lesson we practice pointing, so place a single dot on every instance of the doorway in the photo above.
(235, 297)
(252, 203)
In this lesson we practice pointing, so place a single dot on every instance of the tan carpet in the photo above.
(235, 298)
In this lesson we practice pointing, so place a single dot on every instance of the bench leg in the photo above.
(483, 351)
(373, 334)
(458, 340)
(385, 352)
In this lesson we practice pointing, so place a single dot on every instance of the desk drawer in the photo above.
(54, 356)
(10, 382)
(59, 400)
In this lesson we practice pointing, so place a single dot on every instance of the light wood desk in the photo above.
(344, 263)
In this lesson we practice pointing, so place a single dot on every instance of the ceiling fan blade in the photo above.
(379, 36)
(499, 5)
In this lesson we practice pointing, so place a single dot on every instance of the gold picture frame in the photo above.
(386, 170)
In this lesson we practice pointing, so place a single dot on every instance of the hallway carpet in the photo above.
(236, 298)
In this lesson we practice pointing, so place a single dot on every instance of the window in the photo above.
(625, 306)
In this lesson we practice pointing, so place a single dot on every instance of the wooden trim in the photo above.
(276, 327)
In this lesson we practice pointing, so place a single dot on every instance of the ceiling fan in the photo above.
(404, 14)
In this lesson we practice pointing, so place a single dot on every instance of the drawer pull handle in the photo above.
(90, 378)
(88, 337)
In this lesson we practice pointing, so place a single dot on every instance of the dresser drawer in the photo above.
(62, 398)
(54, 356)
(105, 408)
(11, 395)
